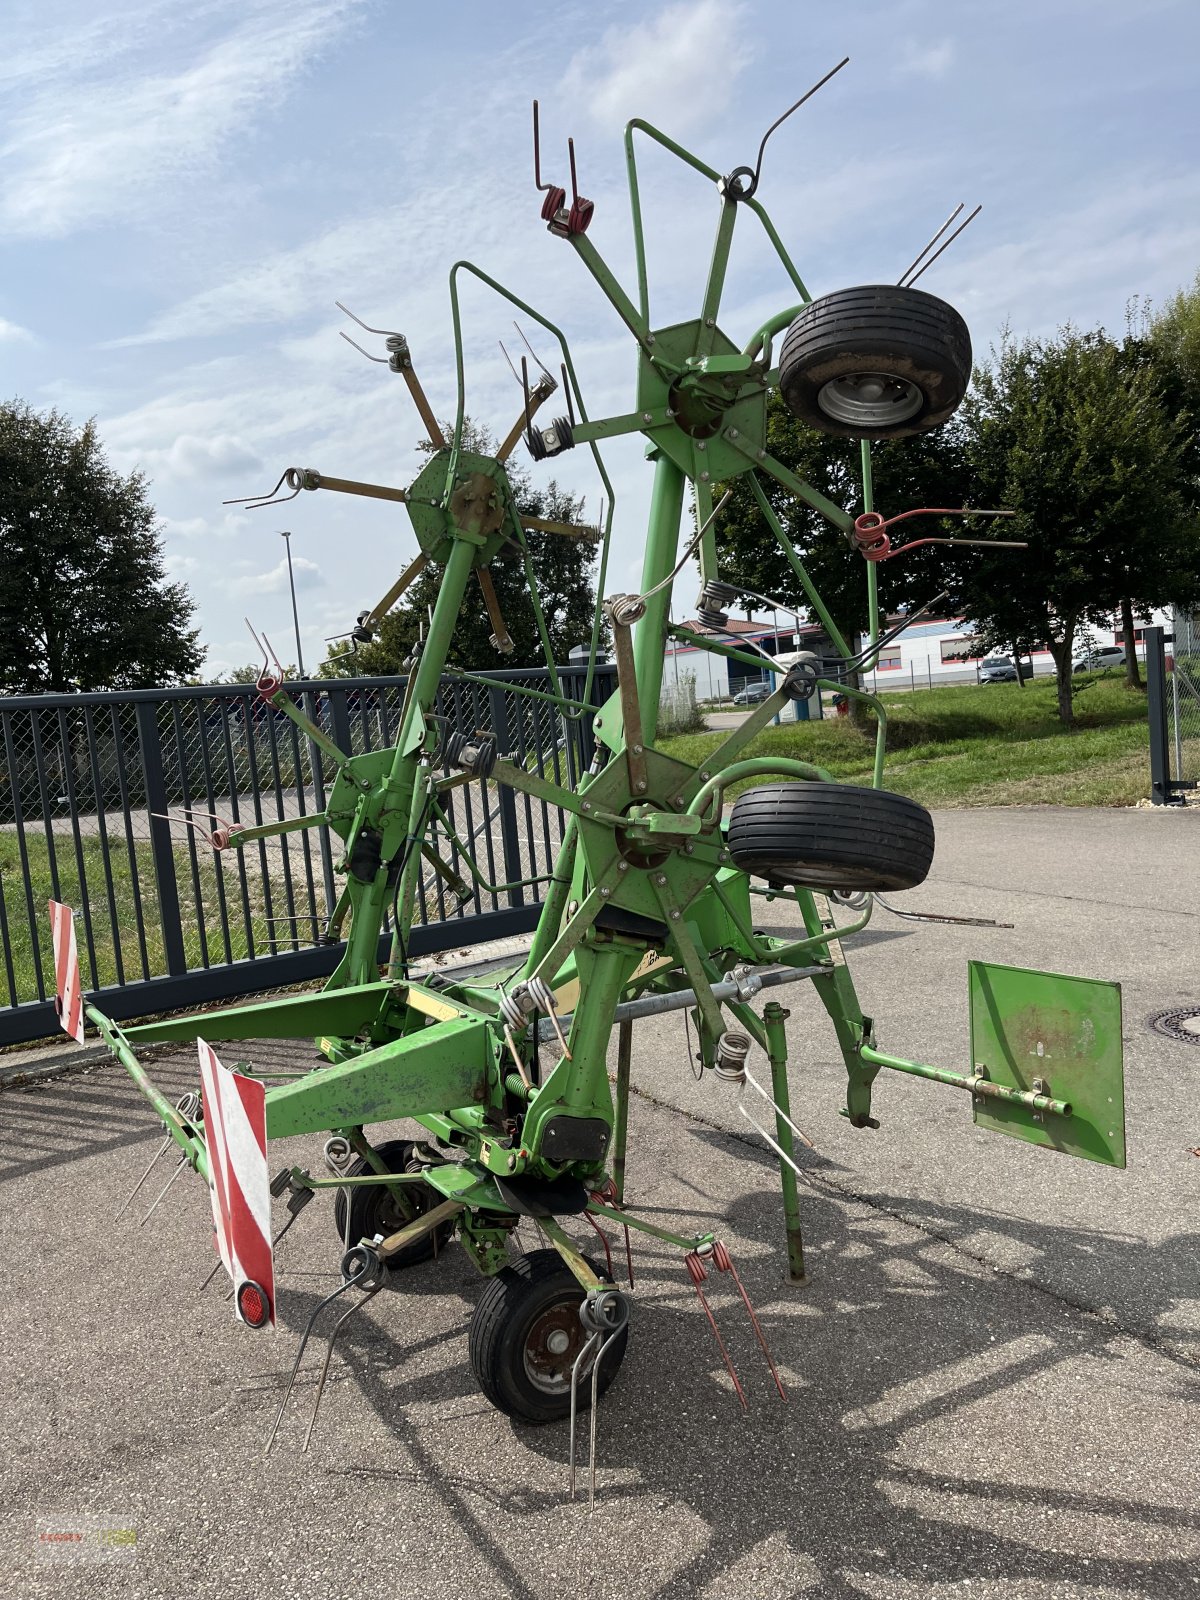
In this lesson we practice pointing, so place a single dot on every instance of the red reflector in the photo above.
(253, 1305)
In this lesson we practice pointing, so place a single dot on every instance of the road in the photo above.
(993, 1371)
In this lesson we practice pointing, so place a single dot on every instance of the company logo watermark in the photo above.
(82, 1538)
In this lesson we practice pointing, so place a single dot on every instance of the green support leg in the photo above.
(775, 1016)
(621, 1106)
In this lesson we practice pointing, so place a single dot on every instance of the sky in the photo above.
(185, 190)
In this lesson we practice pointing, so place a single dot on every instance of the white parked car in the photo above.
(1096, 657)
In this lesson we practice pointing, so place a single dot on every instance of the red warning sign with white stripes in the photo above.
(235, 1130)
(67, 984)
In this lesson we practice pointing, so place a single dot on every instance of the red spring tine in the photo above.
(581, 210)
(724, 1263)
(697, 1273)
(604, 1241)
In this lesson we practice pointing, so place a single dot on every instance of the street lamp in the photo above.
(286, 535)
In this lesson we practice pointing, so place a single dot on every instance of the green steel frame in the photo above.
(643, 899)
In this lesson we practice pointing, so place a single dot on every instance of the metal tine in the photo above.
(187, 1105)
(382, 359)
(779, 121)
(161, 1152)
(183, 1161)
(945, 246)
(384, 333)
(922, 253)
(509, 359)
(764, 1134)
(595, 1407)
(267, 499)
(799, 1132)
(697, 1272)
(533, 353)
(368, 1294)
(579, 1360)
(320, 1306)
(724, 1263)
(220, 1263)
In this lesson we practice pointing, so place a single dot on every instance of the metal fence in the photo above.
(1184, 681)
(85, 781)
(1173, 706)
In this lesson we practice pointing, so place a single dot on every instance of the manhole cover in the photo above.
(1182, 1026)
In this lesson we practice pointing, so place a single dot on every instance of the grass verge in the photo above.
(978, 745)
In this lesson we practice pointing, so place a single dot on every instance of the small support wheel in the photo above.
(879, 362)
(374, 1209)
(831, 836)
(526, 1336)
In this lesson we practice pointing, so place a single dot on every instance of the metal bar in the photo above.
(976, 1084)
(1162, 790)
(89, 733)
(621, 1104)
(34, 920)
(264, 865)
(243, 704)
(218, 864)
(277, 784)
(373, 491)
(190, 841)
(774, 1016)
(715, 283)
(662, 535)
(619, 300)
(131, 843)
(68, 755)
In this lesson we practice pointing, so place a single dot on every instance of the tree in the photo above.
(84, 601)
(1076, 438)
(566, 587)
(928, 470)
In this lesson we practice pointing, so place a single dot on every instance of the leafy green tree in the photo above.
(84, 601)
(929, 470)
(563, 568)
(1077, 439)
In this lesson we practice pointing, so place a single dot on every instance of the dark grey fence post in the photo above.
(509, 838)
(161, 847)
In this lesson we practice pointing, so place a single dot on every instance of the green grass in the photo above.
(978, 745)
(125, 886)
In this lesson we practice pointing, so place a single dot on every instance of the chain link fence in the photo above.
(1184, 699)
(164, 921)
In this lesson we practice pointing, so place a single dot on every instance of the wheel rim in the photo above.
(870, 399)
(552, 1347)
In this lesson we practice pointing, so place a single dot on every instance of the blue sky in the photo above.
(185, 190)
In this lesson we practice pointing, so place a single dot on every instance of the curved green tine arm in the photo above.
(635, 200)
(693, 161)
(798, 567)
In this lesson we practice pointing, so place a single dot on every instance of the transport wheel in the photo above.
(525, 1338)
(374, 1209)
(831, 836)
(880, 362)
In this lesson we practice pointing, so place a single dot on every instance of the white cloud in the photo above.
(927, 61)
(89, 147)
(194, 457)
(13, 334)
(683, 63)
(307, 576)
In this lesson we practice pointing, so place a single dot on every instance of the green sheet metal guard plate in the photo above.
(1065, 1031)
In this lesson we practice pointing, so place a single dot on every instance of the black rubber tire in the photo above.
(373, 1209)
(533, 1288)
(831, 836)
(880, 328)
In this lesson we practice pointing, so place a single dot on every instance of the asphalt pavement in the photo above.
(992, 1372)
